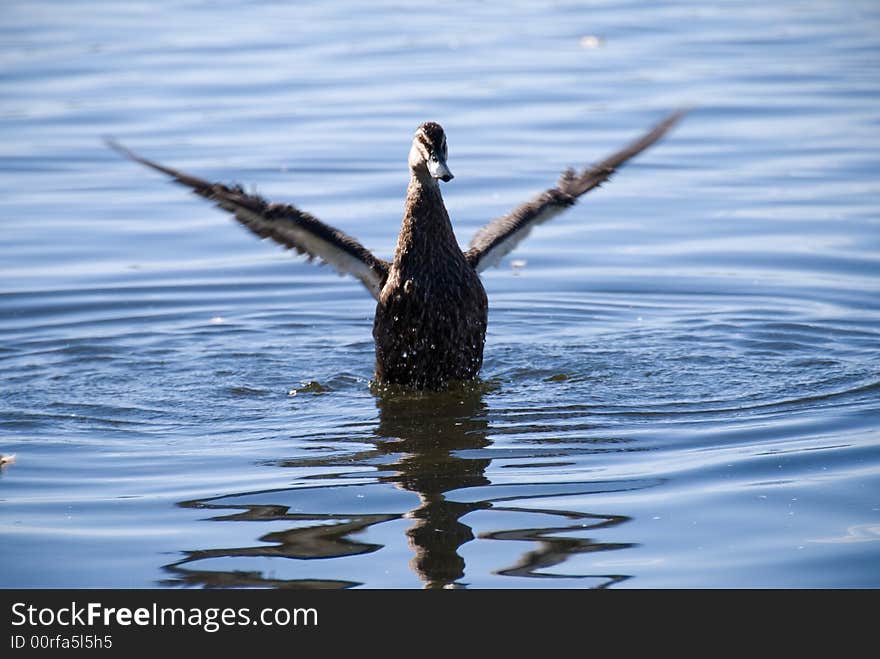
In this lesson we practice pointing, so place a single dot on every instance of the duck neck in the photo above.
(426, 231)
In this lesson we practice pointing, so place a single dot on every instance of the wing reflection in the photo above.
(328, 539)
(553, 550)
(434, 446)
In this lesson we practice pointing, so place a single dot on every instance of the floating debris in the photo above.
(591, 41)
(310, 387)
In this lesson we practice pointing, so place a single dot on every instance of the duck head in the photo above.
(427, 157)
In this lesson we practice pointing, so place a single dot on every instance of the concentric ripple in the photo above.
(681, 376)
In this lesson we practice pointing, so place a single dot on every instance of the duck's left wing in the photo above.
(502, 234)
(285, 224)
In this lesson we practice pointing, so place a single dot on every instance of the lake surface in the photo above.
(681, 384)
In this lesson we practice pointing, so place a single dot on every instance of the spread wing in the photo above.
(285, 224)
(502, 234)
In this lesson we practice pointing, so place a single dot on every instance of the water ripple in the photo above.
(681, 378)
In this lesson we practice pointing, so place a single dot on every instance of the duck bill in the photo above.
(438, 169)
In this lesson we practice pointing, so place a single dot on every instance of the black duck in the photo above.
(431, 310)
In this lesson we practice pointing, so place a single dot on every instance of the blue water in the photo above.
(682, 376)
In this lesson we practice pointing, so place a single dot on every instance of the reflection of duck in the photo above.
(431, 312)
(438, 440)
(435, 445)
(427, 433)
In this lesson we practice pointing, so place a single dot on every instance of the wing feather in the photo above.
(503, 234)
(285, 224)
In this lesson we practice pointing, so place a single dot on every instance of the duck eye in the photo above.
(434, 157)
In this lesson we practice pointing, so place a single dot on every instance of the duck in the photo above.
(429, 327)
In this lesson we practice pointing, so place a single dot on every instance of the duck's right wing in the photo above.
(502, 234)
(285, 224)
